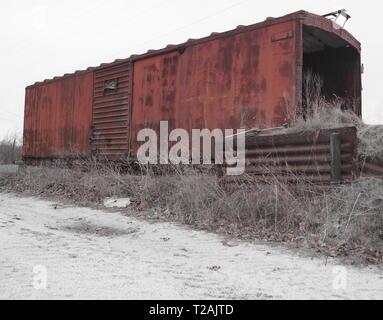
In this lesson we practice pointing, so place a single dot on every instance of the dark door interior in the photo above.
(336, 63)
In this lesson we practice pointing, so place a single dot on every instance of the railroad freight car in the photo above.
(247, 77)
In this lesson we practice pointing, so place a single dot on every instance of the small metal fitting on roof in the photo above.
(336, 14)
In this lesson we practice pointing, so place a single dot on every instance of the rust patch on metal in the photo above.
(58, 118)
(213, 85)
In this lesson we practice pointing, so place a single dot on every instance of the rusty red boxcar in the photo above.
(247, 77)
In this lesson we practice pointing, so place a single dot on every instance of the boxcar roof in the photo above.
(308, 19)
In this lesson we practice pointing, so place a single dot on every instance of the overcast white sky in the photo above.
(43, 39)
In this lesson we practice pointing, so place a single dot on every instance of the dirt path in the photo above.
(90, 254)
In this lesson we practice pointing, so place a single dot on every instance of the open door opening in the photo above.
(336, 63)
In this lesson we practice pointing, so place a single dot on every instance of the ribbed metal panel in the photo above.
(298, 157)
(111, 112)
(371, 168)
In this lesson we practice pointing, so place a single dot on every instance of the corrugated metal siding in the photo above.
(111, 112)
(371, 168)
(58, 117)
(299, 157)
(244, 80)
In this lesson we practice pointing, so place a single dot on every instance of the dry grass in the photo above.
(324, 114)
(371, 142)
(10, 150)
(339, 221)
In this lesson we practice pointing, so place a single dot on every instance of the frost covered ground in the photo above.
(52, 251)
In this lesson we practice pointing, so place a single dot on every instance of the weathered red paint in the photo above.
(57, 120)
(247, 77)
(233, 82)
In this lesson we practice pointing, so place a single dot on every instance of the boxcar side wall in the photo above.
(244, 80)
(57, 118)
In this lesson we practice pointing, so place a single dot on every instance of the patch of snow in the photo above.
(117, 202)
(8, 168)
(82, 253)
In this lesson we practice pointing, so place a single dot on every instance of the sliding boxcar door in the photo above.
(111, 112)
